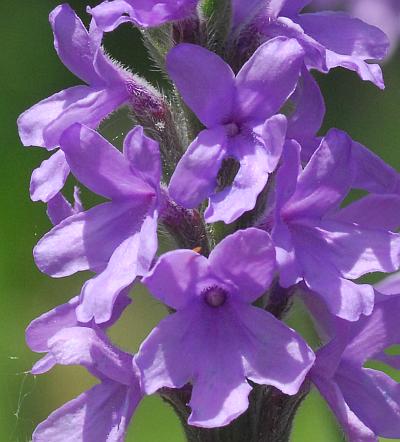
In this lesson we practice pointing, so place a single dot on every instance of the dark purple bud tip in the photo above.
(215, 296)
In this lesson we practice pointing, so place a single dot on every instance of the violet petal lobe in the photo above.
(100, 166)
(230, 203)
(92, 237)
(199, 166)
(49, 178)
(100, 414)
(143, 154)
(247, 259)
(177, 276)
(268, 78)
(205, 81)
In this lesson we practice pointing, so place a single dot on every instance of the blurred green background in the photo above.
(31, 71)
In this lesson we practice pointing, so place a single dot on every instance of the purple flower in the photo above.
(330, 39)
(385, 14)
(143, 13)
(238, 113)
(225, 340)
(117, 239)
(108, 88)
(365, 401)
(323, 245)
(104, 411)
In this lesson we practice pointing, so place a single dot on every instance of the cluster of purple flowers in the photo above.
(241, 131)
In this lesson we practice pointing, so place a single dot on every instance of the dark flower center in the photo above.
(232, 129)
(215, 296)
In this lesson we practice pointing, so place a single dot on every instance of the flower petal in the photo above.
(268, 78)
(372, 173)
(73, 45)
(374, 397)
(199, 166)
(86, 240)
(130, 259)
(177, 277)
(247, 259)
(292, 357)
(49, 178)
(373, 212)
(325, 180)
(309, 112)
(143, 154)
(356, 250)
(205, 82)
(91, 349)
(100, 166)
(100, 414)
(351, 424)
(230, 203)
(43, 124)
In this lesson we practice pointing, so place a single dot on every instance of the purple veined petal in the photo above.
(199, 166)
(91, 349)
(150, 13)
(373, 212)
(144, 13)
(49, 178)
(100, 414)
(178, 277)
(384, 15)
(289, 269)
(292, 357)
(72, 43)
(372, 173)
(87, 240)
(315, 53)
(216, 341)
(244, 12)
(374, 397)
(58, 209)
(43, 124)
(389, 285)
(34, 121)
(293, 7)
(205, 81)
(110, 14)
(158, 355)
(43, 365)
(100, 166)
(230, 203)
(143, 154)
(212, 363)
(356, 250)
(273, 135)
(309, 112)
(356, 43)
(376, 332)
(343, 298)
(345, 35)
(351, 424)
(247, 259)
(130, 259)
(325, 180)
(268, 78)
(41, 329)
(287, 174)
(100, 293)
(111, 73)
(367, 72)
